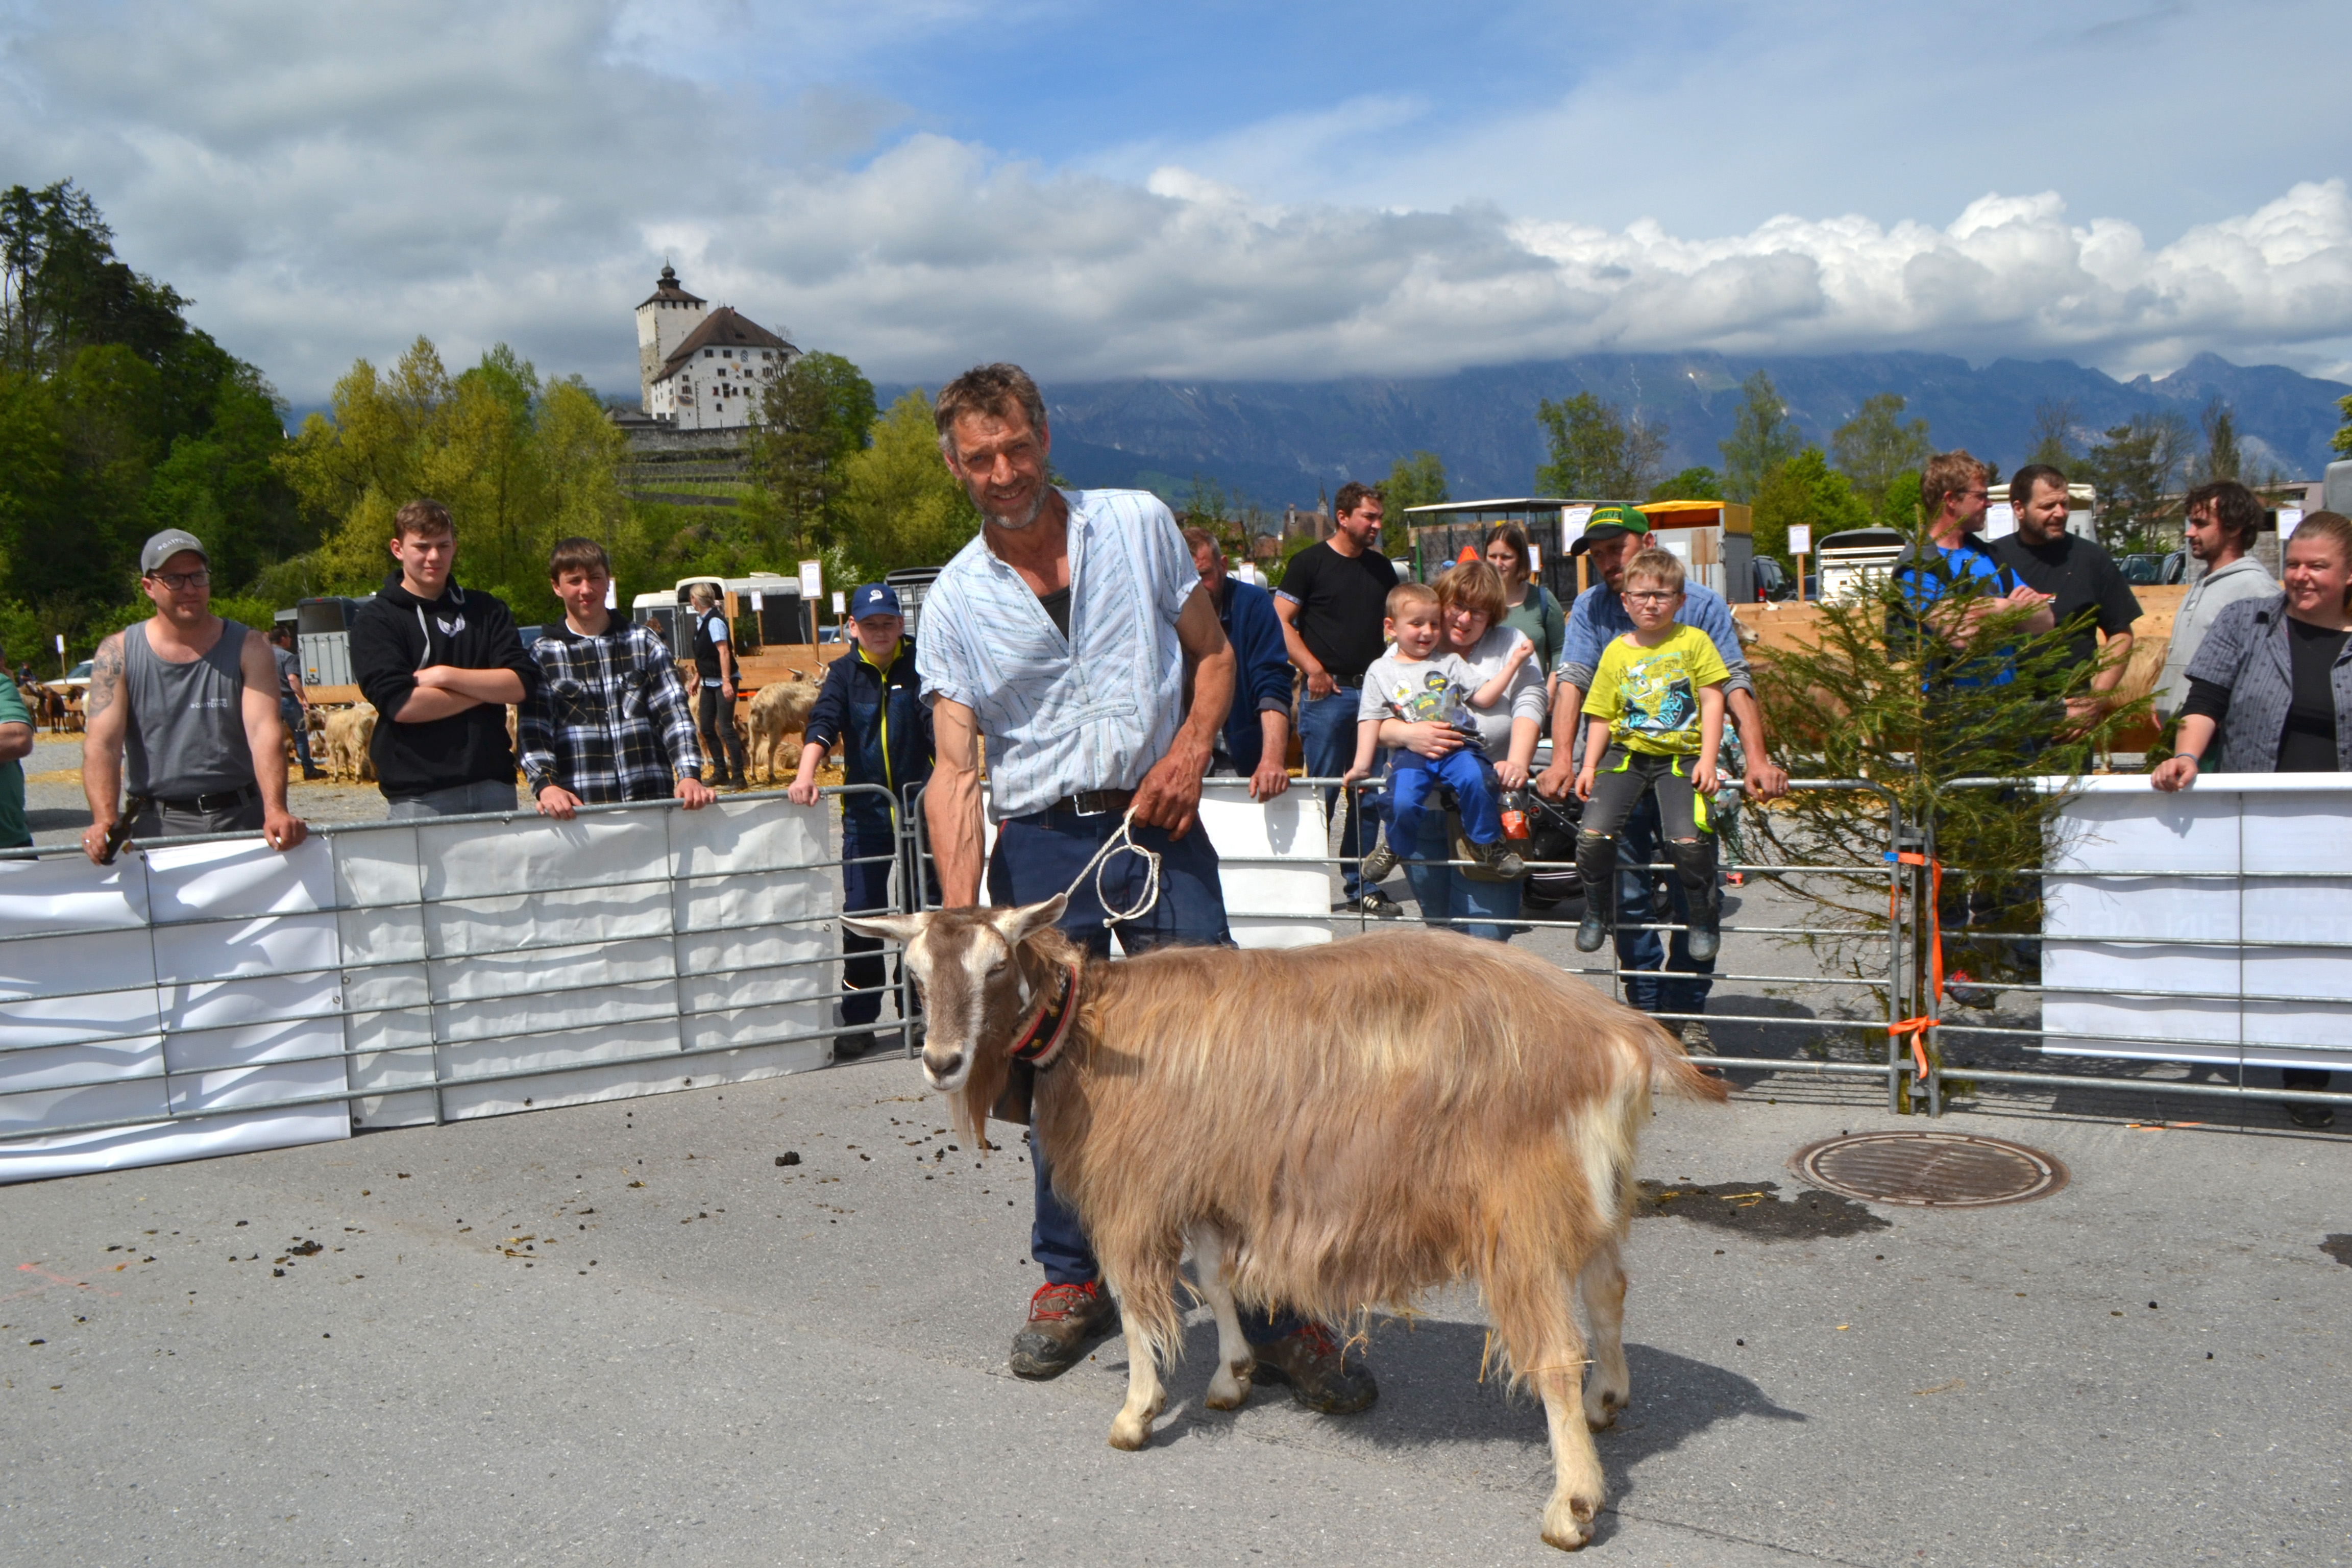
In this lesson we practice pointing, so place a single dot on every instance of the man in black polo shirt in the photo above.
(1333, 602)
(2077, 575)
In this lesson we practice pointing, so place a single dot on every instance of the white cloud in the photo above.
(331, 181)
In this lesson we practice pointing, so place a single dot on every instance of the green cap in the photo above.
(1610, 522)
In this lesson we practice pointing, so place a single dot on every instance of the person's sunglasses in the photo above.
(180, 581)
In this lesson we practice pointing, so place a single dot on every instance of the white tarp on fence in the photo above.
(1268, 902)
(2209, 925)
(528, 962)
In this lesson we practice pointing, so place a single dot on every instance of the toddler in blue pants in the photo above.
(1415, 683)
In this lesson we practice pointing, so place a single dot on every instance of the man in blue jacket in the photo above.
(1256, 741)
(871, 702)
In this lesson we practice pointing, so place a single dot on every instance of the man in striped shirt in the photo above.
(1064, 634)
(609, 721)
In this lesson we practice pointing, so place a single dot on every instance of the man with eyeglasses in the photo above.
(183, 710)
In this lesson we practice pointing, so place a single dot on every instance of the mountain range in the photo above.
(1278, 443)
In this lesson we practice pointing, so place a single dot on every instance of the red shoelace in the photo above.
(1060, 1300)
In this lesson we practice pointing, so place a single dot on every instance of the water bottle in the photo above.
(1515, 813)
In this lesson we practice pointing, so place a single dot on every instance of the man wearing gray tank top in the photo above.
(183, 710)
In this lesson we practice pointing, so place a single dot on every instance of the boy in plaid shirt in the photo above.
(610, 720)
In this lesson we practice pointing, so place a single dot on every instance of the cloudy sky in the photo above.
(1214, 189)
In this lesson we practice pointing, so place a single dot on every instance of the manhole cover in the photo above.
(1929, 1170)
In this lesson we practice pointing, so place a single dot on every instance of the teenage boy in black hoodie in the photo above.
(440, 664)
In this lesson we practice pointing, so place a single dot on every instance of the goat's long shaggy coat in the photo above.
(1362, 1121)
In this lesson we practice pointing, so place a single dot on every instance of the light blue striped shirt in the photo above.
(1095, 710)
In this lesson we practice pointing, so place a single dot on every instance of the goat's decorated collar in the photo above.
(1042, 1040)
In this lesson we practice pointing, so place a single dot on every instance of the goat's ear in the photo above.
(1017, 925)
(900, 929)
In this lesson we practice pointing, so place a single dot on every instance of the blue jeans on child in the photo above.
(1472, 776)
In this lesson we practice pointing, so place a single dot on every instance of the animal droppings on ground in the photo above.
(1751, 1208)
(2339, 1246)
(789, 1157)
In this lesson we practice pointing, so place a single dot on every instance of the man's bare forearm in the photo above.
(951, 816)
(2114, 657)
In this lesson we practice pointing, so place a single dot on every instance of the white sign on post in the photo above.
(1573, 520)
(2000, 521)
(1534, 558)
(2290, 518)
(1800, 539)
(812, 580)
(840, 603)
(757, 601)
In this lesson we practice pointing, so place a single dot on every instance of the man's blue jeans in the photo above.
(1039, 855)
(1487, 910)
(1639, 845)
(1327, 738)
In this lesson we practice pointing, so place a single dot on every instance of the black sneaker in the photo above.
(1064, 1320)
(1313, 1364)
(850, 1046)
(2305, 1114)
(1377, 904)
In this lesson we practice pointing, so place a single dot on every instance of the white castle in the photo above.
(701, 369)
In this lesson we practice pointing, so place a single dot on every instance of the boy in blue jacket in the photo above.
(871, 702)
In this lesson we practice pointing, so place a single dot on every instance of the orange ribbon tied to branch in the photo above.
(1917, 1028)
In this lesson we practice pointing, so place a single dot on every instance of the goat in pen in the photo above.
(1332, 1129)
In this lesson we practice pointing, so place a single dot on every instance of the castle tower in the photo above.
(666, 319)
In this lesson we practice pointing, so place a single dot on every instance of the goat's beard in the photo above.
(982, 1086)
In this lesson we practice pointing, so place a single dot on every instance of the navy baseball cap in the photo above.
(874, 599)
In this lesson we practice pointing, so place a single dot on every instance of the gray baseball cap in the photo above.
(166, 545)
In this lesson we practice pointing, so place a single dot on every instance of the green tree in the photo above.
(1763, 438)
(1900, 508)
(1805, 490)
(2134, 467)
(2051, 438)
(899, 505)
(1691, 484)
(518, 462)
(1868, 699)
(1417, 480)
(812, 419)
(2341, 442)
(1877, 444)
(2221, 459)
(1598, 451)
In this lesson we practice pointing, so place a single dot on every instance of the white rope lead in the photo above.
(1101, 862)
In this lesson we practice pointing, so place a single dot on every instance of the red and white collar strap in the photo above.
(1042, 1040)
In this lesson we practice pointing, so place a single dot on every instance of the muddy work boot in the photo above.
(1064, 1320)
(1694, 861)
(1379, 862)
(1596, 868)
(1313, 1364)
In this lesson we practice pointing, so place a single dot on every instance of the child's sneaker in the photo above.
(1498, 858)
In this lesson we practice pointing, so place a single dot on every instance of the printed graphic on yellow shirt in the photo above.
(1658, 699)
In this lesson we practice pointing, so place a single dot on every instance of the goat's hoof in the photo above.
(1128, 1432)
(1602, 1408)
(1230, 1389)
(1568, 1521)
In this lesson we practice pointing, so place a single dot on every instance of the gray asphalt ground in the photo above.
(623, 1333)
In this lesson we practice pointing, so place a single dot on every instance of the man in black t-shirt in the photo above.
(2076, 574)
(1333, 602)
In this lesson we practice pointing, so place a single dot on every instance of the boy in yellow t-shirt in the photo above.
(1655, 720)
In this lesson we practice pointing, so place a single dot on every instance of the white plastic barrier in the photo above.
(400, 974)
(2211, 925)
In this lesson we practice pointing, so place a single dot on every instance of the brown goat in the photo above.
(1332, 1129)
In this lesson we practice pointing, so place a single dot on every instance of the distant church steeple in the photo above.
(666, 319)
